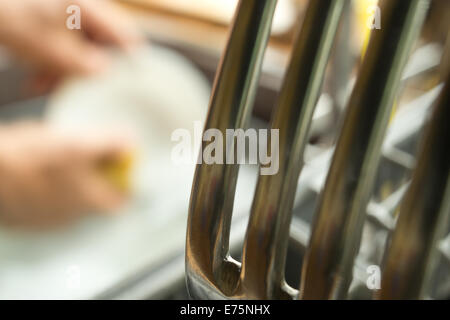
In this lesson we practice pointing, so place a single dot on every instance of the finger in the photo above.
(43, 83)
(74, 55)
(99, 195)
(93, 146)
(106, 23)
(62, 52)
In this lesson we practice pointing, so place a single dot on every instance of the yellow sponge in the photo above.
(118, 171)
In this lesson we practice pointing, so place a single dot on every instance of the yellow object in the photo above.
(118, 171)
(362, 17)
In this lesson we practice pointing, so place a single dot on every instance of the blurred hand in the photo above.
(35, 31)
(49, 177)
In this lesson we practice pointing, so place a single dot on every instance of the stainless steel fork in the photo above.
(327, 271)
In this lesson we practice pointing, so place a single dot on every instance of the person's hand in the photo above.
(49, 177)
(36, 32)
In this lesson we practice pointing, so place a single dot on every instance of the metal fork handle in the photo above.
(211, 272)
(338, 222)
(208, 265)
(265, 246)
(424, 212)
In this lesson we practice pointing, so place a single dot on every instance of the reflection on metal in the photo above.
(267, 236)
(208, 267)
(337, 228)
(423, 213)
(210, 271)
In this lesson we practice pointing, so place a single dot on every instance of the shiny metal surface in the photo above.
(293, 114)
(208, 266)
(266, 242)
(328, 266)
(424, 212)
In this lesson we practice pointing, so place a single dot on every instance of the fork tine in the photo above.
(328, 264)
(207, 262)
(265, 247)
(423, 213)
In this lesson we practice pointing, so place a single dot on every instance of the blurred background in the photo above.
(138, 252)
